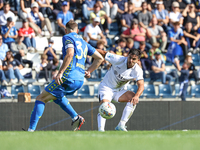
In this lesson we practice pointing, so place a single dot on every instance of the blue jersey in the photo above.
(76, 68)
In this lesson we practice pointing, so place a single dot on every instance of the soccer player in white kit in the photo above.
(123, 70)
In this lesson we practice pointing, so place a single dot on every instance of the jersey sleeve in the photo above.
(113, 58)
(68, 43)
(91, 50)
(139, 74)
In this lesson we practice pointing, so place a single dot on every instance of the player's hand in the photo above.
(87, 74)
(135, 100)
(58, 79)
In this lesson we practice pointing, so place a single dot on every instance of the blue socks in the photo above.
(39, 109)
(36, 114)
(66, 106)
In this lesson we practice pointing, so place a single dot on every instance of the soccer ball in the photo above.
(107, 110)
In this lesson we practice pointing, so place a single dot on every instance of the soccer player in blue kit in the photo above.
(69, 78)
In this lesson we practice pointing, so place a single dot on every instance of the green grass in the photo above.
(93, 140)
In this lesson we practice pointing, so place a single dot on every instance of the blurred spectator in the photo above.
(19, 48)
(91, 32)
(127, 17)
(136, 33)
(157, 34)
(3, 48)
(154, 49)
(182, 5)
(178, 45)
(183, 79)
(175, 15)
(158, 70)
(64, 17)
(9, 32)
(55, 67)
(137, 5)
(87, 8)
(12, 68)
(44, 68)
(45, 8)
(25, 8)
(197, 5)
(151, 5)
(162, 16)
(29, 35)
(1, 4)
(193, 73)
(190, 15)
(120, 47)
(50, 51)
(145, 61)
(57, 7)
(37, 21)
(104, 5)
(122, 7)
(144, 17)
(105, 64)
(105, 20)
(192, 37)
(2, 75)
(129, 45)
(5, 14)
(168, 4)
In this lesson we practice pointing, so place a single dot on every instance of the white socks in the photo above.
(101, 123)
(127, 113)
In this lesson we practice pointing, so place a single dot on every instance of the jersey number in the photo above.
(83, 53)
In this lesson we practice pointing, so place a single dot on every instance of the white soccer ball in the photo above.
(107, 110)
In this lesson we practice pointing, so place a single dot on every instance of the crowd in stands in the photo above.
(166, 31)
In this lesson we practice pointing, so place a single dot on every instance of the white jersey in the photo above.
(119, 75)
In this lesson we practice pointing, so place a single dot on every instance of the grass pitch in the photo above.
(93, 140)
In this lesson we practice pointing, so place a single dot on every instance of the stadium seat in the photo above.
(3, 87)
(195, 91)
(149, 91)
(94, 76)
(84, 92)
(195, 58)
(103, 73)
(133, 88)
(96, 88)
(165, 91)
(34, 90)
(81, 27)
(15, 89)
(177, 91)
(57, 44)
(114, 29)
(42, 42)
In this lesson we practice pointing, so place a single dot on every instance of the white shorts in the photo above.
(110, 94)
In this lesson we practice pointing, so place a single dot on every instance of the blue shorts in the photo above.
(68, 87)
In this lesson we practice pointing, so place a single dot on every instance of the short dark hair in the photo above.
(176, 23)
(6, 3)
(130, 3)
(122, 40)
(55, 60)
(136, 52)
(142, 43)
(144, 3)
(71, 25)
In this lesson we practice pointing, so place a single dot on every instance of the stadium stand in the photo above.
(152, 91)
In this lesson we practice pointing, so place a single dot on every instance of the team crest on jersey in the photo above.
(110, 56)
(68, 42)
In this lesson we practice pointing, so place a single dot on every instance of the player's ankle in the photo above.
(122, 123)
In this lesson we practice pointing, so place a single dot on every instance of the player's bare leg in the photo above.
(100, 120)
(128, 110)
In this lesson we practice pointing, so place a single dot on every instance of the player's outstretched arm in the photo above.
(139, 92)
(102, 52)
(66, 62)
(98, 59)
